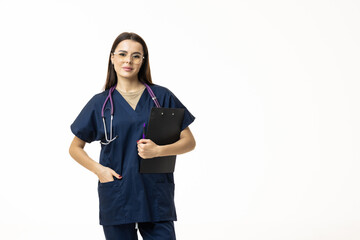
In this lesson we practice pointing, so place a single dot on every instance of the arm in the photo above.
(78, 153)
(186, 143)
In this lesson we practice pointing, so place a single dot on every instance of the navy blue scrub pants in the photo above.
(149, 231)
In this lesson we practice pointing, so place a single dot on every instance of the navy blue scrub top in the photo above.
(136, 197)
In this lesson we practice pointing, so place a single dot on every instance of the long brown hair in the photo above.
(144, 74)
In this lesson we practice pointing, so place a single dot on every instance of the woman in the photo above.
(128, 199)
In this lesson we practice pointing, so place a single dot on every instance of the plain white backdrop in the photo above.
(274, 87)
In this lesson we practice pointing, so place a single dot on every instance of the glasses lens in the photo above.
(136, 58)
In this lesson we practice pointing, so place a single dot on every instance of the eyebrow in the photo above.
(126, 51)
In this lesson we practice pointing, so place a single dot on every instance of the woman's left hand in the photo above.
(147, 148)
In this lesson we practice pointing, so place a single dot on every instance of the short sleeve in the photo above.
(86, 124)
(188, 117)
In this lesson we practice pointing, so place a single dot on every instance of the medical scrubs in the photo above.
(136, 197)
(148, 231)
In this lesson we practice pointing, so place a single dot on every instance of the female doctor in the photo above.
(129, 200)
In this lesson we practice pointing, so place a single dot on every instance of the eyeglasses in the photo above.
(135, 58)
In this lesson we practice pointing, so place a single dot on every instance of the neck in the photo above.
(128, 85)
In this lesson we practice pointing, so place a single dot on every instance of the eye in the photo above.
(137, 56)
(122, 54)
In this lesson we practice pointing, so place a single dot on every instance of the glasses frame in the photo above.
(131, 57)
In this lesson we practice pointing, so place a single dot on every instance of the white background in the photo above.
(274, 87)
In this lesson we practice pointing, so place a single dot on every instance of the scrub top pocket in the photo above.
(165, 199)
(106, 184)
(111, 200)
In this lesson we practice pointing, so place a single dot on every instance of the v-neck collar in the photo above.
(127, 106)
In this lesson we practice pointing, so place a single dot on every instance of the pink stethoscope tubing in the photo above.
(109, 98)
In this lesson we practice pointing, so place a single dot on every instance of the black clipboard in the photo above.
(163, 128)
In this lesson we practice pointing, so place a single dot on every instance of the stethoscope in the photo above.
(109, 97)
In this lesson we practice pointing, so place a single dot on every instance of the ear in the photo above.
(112, 58)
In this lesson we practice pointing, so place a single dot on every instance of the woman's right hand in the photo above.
(106, 174)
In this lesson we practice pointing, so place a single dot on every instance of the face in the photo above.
(126, 57)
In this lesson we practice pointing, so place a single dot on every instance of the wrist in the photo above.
(160, 151)
(97, 168)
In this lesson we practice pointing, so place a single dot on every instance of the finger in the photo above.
(143, 141)
(118, 176)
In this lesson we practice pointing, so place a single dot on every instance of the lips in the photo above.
(127, 68)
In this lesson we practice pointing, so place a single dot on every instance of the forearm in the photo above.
(79, 155)
(183, 145)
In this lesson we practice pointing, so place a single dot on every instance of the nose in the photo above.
(128, 59)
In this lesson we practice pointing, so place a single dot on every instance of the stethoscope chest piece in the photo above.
(109, 97)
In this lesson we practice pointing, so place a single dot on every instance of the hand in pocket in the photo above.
(106, 174)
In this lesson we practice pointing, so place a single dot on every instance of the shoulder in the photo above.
(166, 97)
(101, 96)
(160, 90)
(98, 99)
